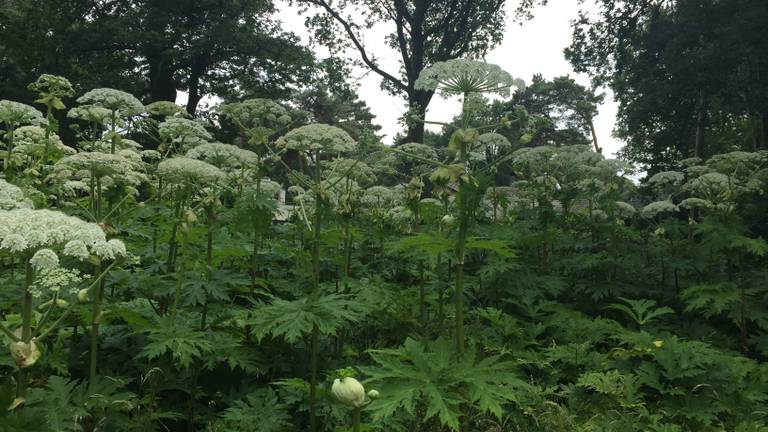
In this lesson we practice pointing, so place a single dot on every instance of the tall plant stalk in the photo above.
(26, 325)
(461, 241)
(98, 294)
(314, 339)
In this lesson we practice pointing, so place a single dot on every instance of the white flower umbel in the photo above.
(494, 141)
(317, 137)
(52, 88)
(655, 208)
(257, 112)
(105, 146)
(693, 203)
(90, 113)
(12, 197)
(183, 134)
(349, 168)
(30, 145)
(625, 210)
(165, 109)
(459, 77)
(119, 102)
(26, 231)
(183, 170)
(123, 168)
(44, 260)
(14, 114)
(55, 280)
(224, 156)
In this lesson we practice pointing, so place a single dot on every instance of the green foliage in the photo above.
(428, 376)
(293, 320)
(258, 411)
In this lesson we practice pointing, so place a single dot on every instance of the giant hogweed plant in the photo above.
(468, 79)
(311, 316)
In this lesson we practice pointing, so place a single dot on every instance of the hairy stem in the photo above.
(98, 293)
(26, 326)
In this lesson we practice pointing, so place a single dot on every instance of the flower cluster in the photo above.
(183, 170)
(90, 113)
(30, 143)
(461, 76)
(377, 197)
(693, 203)
(711, 185)
(165, 109)
(44, 232)
(625, 210)
(224, 156)
(658, 207)
(256, 112)
(349, 168)
(119, 102)
(51, 88)
(105, 146)
(183, 133)
(495, 141)
(12, 197)
(317, 137)
(124, 168)
(666, 179)
(54, 280)
(15, 114)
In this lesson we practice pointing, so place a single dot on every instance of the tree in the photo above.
(570, 107)
(206, 46)
(688, 74)
(426, 32)
(154, 48)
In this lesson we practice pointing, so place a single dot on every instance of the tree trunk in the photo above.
(193, 85)
(764, 130)
(418, 101)
(700, 123)
(162, 86)
(592, 130)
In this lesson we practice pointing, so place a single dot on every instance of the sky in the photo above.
(534, 46)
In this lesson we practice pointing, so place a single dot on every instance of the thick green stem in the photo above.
(209, 264)
(356, 419)
(98, 293)
(114, 130)
(460, 246)
(313, 379)
(316, 289)
(46, 149)
(172, 243)
(254, 260)
(26, 327)
(180, 273)
(316, 228)
(347, 250)
(422, 297)
(7, 162)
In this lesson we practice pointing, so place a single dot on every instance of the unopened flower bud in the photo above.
(190, 216)
(349, 391)
(447, 220)
(82, 295)
(25, 354)
(373, 394)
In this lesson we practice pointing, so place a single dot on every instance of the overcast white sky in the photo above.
(536, 46)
